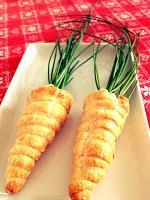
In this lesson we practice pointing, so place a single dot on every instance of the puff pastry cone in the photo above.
(104, 112)
(45, 112)
(103, 119)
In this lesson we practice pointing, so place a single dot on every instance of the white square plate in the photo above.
(128, 177)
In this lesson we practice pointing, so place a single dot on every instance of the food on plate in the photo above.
(104, 115)
(45, 112)
(103, 118)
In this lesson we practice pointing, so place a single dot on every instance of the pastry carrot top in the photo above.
(64, 61)
(122, 79)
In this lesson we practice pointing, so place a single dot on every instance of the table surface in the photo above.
(26, 21)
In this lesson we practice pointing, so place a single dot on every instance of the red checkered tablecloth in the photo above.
(26, 21)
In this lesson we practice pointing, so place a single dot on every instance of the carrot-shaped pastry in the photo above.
(104, 115)
(45, 111)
